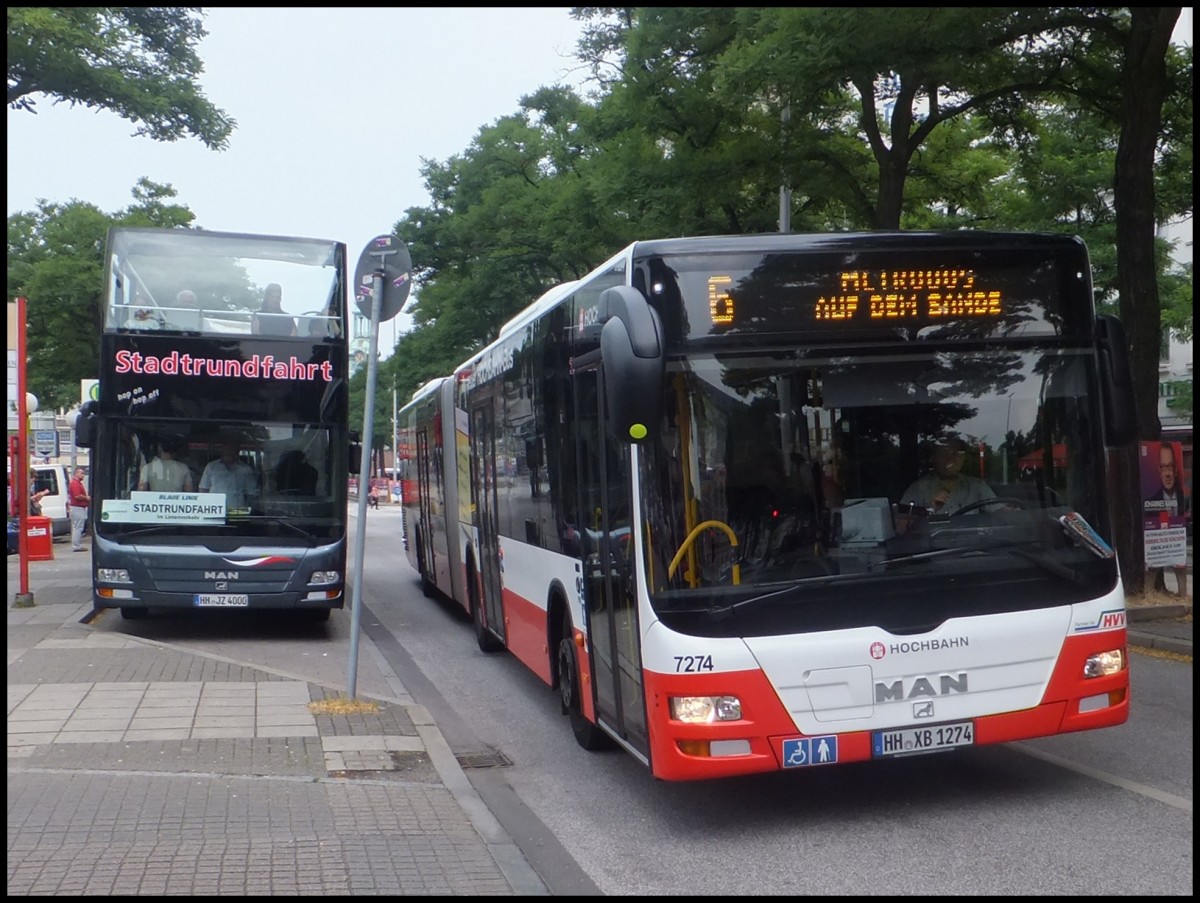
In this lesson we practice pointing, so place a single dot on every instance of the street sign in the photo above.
(45, 443)
(390, 257)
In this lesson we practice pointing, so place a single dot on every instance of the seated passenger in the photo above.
(272, 320)
(947, 489)
(295, 475)
(165, 473)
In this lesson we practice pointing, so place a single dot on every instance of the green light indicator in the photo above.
(638, 431)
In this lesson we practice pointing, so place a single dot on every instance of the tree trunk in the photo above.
(1143, 88)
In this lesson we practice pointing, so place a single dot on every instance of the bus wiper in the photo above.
(724, 611)
(284, 522)
(164, 528)
(1020, 549)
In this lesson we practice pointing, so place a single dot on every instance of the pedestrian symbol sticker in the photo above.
(810, 751)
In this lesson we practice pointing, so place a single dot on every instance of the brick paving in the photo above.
(138, 768)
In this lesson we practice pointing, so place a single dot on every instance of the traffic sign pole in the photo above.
(382, 281)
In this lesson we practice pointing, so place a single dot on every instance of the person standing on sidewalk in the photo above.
(78, 502)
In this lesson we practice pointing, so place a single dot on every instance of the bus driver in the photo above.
(230, 475)
(947, 489)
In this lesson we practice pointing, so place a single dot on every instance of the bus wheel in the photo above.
(319, 615)
(135, 612)
(586, 734)
(484, 638)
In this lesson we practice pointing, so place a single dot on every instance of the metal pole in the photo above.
(20, 488)
(785, 193)
(364, 484)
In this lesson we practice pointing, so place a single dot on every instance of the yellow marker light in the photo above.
(638, 431)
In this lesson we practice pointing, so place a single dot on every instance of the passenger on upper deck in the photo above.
(272, 320)
(144, 315)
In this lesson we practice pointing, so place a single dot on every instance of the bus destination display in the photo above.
(882, 296)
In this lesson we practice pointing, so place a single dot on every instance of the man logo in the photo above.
(920, 687)
(923, 709)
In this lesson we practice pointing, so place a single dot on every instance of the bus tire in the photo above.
(427, 588)
(484, 638)
(135, 612)
(586, 734)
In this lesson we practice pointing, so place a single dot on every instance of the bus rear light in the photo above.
(1103, 664)
(112, 575)
(705, 709)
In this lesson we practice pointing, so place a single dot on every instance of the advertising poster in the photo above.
(1164, 504)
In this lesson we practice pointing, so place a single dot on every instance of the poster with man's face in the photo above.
(1164, 503)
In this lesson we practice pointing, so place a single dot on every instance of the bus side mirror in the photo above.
(631, 346)
(1116, 381)
(85, 425)
(355, 452)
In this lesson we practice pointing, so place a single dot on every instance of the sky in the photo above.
(336, 109)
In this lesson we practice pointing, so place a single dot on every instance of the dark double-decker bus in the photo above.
(220, 441)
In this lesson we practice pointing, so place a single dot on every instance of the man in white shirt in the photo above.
(165, 473)
(947, 489)
(230, 475)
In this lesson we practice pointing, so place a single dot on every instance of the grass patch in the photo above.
(343, 706)
(1156, 597)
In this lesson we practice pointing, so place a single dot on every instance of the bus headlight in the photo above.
(112, 575)
(324, 578)
(705, 709)
(1104, 663)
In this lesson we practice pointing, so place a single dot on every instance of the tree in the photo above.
(138, 62)
(1128, 74)
(56, 259)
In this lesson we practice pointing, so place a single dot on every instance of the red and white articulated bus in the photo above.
(682, 491)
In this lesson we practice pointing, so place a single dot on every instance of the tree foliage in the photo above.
(56, 259)
(138, 62)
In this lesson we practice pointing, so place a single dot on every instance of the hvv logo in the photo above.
(1108, 620)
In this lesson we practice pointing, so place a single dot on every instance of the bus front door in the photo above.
(483, 451)
(609, 578)
(425, 528)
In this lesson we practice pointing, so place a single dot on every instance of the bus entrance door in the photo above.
(609, 578)
(483, 451)
(426, 548)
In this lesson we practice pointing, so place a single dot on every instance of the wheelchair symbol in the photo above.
(798, 755)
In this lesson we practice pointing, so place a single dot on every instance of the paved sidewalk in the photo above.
(139, 767)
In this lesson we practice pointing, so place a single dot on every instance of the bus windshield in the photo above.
(807, 460)
(224, 285)
(186, 480)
